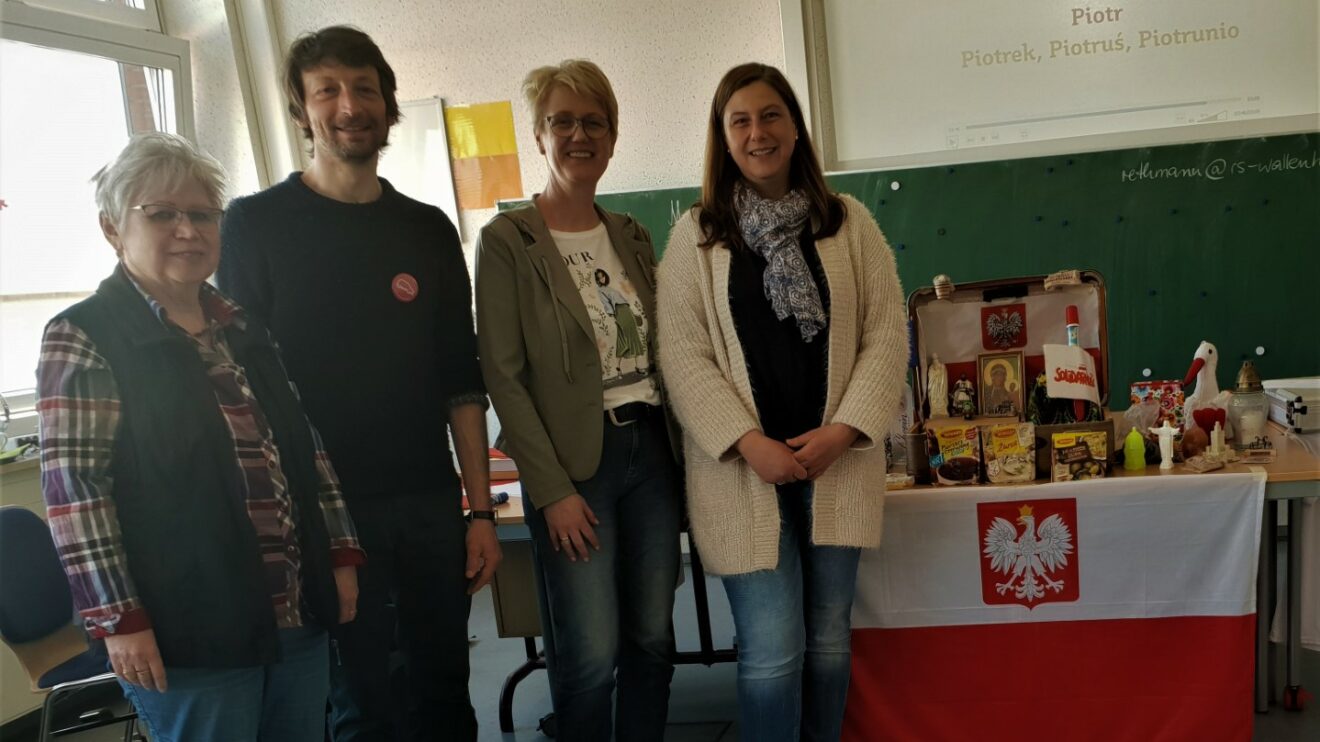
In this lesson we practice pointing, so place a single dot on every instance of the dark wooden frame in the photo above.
(1019, 361)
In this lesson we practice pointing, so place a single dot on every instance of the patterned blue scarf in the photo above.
(771, 229)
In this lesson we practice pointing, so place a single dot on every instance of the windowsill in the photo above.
(20, 482)
(20, 466)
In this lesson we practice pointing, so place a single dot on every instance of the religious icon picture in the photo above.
(999, 375)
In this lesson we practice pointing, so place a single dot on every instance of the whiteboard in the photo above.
(898, 83)
(417, 161)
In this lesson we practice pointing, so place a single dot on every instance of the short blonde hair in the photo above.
(154, 159)
(580, 76)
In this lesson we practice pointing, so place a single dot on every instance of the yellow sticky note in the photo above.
(481, 130)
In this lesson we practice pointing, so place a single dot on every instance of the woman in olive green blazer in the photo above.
(565, 294)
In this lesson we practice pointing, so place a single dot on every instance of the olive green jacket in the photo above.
(538, 350)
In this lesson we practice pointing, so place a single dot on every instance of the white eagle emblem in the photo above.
(1004, 328)
(1028, 559)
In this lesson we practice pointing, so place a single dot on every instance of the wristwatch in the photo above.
(481, 515)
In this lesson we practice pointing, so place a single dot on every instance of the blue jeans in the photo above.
(794, 634)
(281, 702)
(614, 614)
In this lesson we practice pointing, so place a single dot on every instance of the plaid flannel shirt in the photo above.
(79, 410)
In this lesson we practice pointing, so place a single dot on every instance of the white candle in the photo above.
(1251, 425)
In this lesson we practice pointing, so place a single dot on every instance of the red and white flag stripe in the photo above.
(1116, 609)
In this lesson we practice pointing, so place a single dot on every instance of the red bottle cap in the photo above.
(1072, 315)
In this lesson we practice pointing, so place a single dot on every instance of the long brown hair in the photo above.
(717, 216)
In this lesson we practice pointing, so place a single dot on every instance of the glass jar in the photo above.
(1249, 409)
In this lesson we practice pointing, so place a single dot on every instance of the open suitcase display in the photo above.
(977, 331)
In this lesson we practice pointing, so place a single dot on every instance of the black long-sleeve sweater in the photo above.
(371, 305)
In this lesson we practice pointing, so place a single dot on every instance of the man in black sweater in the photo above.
(367, 293)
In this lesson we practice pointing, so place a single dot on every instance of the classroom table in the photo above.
(1292, 477)
(1119, 608)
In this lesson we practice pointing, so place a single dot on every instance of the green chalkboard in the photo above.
(1217, 241)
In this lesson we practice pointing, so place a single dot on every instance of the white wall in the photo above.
(218, 104)
(663, 57)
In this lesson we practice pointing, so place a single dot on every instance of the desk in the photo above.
(1292, 476)
(517, 614)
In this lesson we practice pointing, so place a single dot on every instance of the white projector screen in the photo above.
(914, 82)
(417, 161)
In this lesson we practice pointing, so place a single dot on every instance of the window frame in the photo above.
(146, 18)
(83, 35)
(101, 38)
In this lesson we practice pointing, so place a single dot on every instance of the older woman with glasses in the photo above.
(201, 526)
(565, 294)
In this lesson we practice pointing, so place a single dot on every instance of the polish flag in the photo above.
(1113, 609)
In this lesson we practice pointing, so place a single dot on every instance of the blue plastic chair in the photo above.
(36, 622)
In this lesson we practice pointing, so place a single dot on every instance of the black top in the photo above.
(372, 308)
(788, 374)
(190, 544)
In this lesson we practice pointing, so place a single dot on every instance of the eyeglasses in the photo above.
(164, 215)
(563, 125)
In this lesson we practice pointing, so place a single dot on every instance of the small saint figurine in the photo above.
(964, 397)
(1166, 432)
(937, 387)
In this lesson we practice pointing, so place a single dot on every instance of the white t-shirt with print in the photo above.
(616, 315)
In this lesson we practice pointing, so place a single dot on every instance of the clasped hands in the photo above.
(569, 520)
(805, 457)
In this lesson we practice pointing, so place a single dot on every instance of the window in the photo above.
(73, 90)
(133, 13)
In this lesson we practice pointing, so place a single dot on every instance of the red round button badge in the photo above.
(404, 287)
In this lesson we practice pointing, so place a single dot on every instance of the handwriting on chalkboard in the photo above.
(1220, 168)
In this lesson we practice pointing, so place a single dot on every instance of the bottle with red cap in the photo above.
(1074, 326)
(1074, 339)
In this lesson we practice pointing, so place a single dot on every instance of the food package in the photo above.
(957, 455)
(1010, 452)
(1169, 396)
(1079, 455)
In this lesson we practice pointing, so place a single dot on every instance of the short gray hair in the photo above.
(154, 159)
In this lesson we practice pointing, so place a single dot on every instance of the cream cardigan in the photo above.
(735, 516)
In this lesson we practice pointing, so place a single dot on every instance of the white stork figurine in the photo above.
(1207, 394)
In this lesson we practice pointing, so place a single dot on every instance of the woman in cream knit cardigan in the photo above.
(783, 345)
